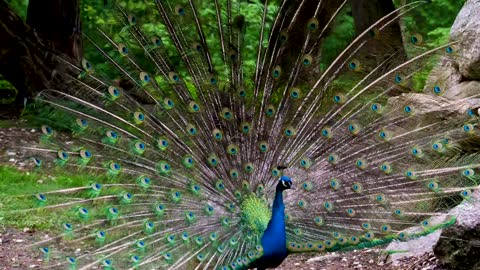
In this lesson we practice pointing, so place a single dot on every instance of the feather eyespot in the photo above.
(197, 47)
(132, 20)
(180, 10)
(193, 106)
(263, 146)
(437, 90)
(47, 131)
(307, 59)
(85, 154)
(270, 110)
(277, 71)
(416, 39)
(312, 24)
(283, 36)
(289, 132)
(217, 134)
(295, 93)
(191, 130)
(156, 41)
(173, 76)
(122, 49)
(144, 77)
(87, 66)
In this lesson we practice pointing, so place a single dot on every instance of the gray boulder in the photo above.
(459, 245)
(458, 74)
(466, 29)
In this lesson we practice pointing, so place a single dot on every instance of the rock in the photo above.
(466, 29)
(414, 247)
(463, 90)
(417, 246)
(457, 75)
(445, 76)
(434, 106)
(459, 245)
(322, 258)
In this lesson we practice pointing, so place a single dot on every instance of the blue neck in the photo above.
(278, 202)
(274, 240)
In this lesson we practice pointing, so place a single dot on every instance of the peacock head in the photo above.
(284, 183)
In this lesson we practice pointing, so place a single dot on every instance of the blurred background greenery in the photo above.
(433, 21)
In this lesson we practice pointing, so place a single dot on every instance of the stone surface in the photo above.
(415, 247)
(466, 30)
(463, 90)
(459, 245)
(428, 104)
(458, 75)
(456, 247)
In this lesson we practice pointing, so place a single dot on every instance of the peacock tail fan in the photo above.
(183, 144)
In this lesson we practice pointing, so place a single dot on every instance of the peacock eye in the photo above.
(180, 11)
(213, 81)
(156, 41)
(295, 93)
(312, 24)
(398, 79)
(277, 71)
(122, 49)
(307, 59)
(132, 19)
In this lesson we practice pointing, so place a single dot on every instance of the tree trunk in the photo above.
(29, 60)
(365, 13)
(58, 22)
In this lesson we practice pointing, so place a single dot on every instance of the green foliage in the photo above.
(340, 36)
(433, 21)
(19, 6)
(7, 92)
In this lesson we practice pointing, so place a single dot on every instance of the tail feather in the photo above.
(187, 143)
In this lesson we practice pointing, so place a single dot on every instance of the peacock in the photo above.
(235, 153)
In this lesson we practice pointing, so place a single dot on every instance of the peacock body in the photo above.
(189, 149)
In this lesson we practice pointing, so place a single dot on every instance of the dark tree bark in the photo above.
(29, 60)
(59, 22)
(365, 13)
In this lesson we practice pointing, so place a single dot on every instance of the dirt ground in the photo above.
(16, 255)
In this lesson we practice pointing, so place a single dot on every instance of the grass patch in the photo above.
(17, 189)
